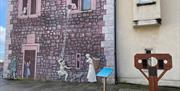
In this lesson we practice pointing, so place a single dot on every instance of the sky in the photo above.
(3, 19)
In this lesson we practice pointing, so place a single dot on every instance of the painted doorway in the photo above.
(29, 56)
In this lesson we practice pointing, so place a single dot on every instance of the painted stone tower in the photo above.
(41, 32)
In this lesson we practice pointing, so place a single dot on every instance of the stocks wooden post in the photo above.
(153, 63)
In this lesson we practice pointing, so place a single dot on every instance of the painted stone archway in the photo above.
(30, 50)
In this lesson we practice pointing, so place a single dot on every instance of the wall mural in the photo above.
(91, 76)
(12, 67)
(64, 44)
(27, 71)
(62, 69)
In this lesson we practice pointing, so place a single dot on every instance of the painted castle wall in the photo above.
(89, 32)
(162, 38)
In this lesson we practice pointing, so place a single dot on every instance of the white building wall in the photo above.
(163, 39)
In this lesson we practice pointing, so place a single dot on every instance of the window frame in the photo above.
(20, 11)
(151, 2)
(80, 6)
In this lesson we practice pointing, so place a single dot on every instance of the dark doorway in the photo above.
(29, 56)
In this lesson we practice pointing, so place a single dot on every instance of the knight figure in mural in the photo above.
(12, 68)
(62, 71)
(91, 76)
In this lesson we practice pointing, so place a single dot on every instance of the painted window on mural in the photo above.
(33, 6)
(29, 7)
(86, 4)
(24, 7)
(75, 4)
(145, 1)
(83, 5)
(78, 59)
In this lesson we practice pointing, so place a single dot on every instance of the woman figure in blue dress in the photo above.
(27, 69)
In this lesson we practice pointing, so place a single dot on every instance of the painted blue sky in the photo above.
(3, 12)
(3, 19)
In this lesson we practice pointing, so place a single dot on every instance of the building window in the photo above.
(82, 5)
(29, 8)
